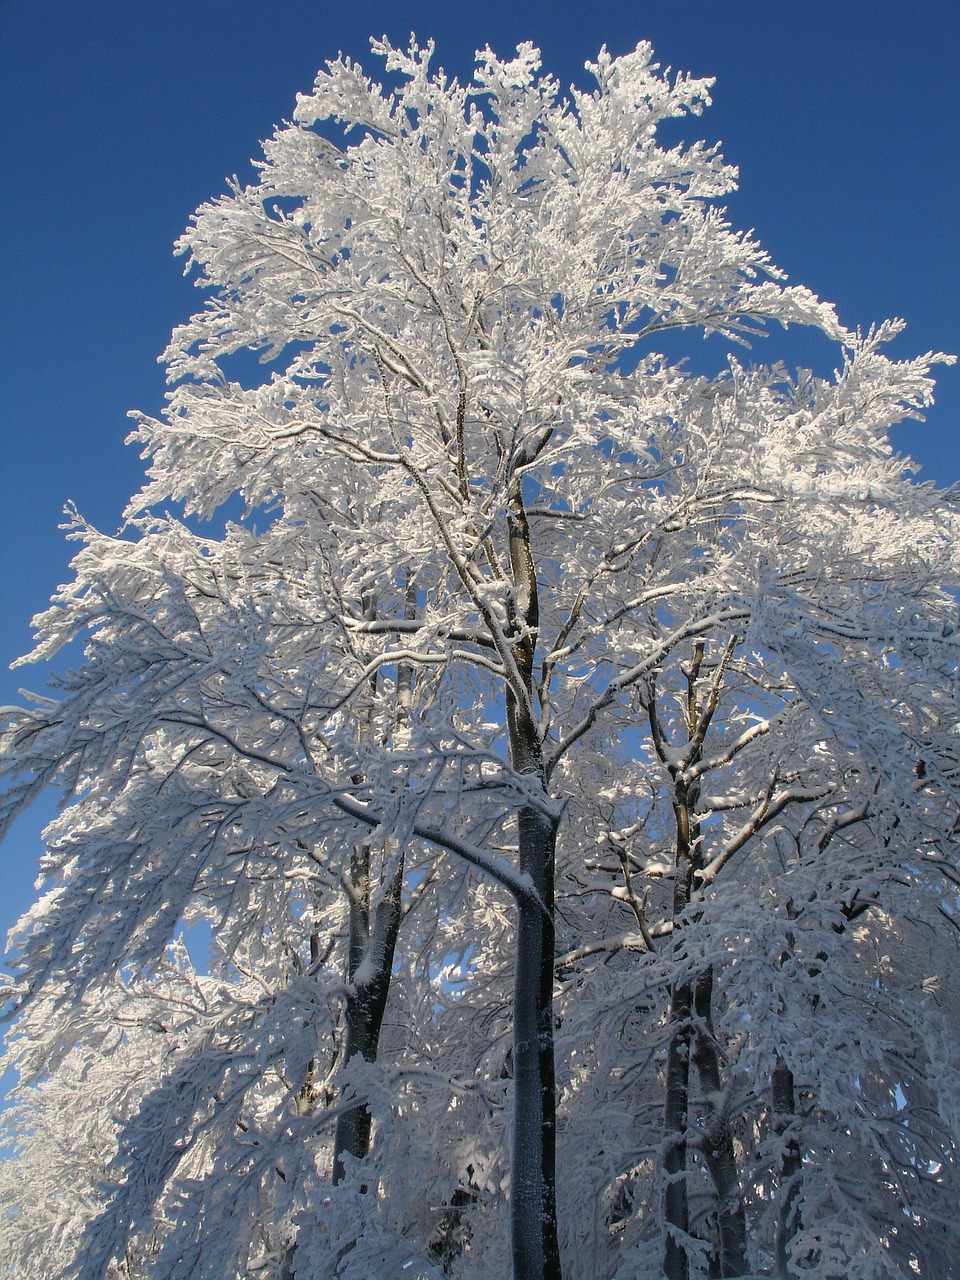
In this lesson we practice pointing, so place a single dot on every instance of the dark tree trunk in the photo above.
(689, 1017)
(718, 1148)
(533, 1203)
(533, 1206)
(373, 947)
(791, 1164)
(367, 1000)
(533, 1197)
(675, 1207)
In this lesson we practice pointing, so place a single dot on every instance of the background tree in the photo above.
(503, 570)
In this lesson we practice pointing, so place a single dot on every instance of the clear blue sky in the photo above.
(120, 117)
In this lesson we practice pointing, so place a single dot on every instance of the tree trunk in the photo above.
(533, 1208)
(687, 1000)
(675, 1207)
(533, 1202)
(791, 1164)
(366, 1000)
(371, 951)
(718, 1148)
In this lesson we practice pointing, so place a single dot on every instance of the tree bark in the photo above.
(690, 1012)
(533, 1207)
(371, 948)
(791, 1164)
(718, 1148)
(675, 1206)
(676, 1209)
(533, 1203)
(366, 1000)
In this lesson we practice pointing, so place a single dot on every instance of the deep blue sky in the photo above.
(120, 117)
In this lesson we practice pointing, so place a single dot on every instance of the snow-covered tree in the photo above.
(555, 720)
